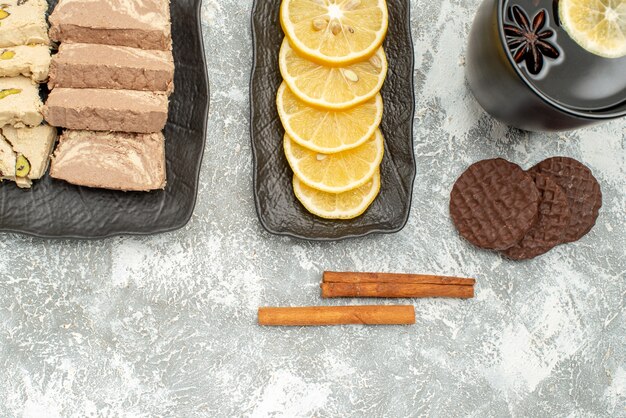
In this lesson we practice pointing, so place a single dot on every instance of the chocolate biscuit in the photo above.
(494, 203)
(583, 193)
(554, 217)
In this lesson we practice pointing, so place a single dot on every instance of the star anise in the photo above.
(528, 40)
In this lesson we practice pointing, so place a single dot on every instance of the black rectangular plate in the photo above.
(55, 209)
(278, 209)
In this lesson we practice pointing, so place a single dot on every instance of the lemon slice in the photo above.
(332, 87)
(336, 173)
(599, 26)
(334, 32)
(327, 131)
(346, 205)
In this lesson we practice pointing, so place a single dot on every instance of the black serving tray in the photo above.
(278, 209)
(55, 209)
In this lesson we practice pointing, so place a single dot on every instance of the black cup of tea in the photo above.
(525, 70)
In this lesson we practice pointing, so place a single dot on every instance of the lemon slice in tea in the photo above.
(599, 26)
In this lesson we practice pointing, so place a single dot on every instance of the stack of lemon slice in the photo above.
(333, 68)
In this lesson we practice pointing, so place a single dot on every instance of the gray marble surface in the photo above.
(165, 326)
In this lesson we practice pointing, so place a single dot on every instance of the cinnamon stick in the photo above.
(392, 285)
(338, 315)
(356, 277)
(395, 290)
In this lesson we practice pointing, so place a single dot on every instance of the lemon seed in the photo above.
(319, 24)
(351, 75)
(376, 62)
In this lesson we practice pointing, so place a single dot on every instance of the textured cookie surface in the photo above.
(554, 217)
(583, 193)
(494, 204)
